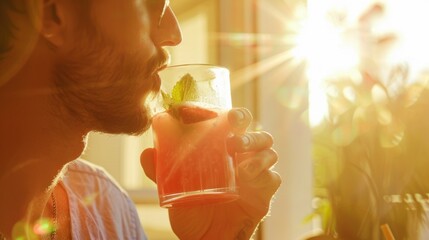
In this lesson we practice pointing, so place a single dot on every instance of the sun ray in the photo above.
(250, 72)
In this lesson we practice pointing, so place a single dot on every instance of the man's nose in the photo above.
(167, 32)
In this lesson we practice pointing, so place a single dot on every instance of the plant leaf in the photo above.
(185, 89)
(167, 100)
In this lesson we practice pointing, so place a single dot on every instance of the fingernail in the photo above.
(245, 141)
(238, 116)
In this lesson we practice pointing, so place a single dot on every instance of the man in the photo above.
(68, 67)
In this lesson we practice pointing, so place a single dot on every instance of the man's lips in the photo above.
(157, 79)
(162, 67)
(156, 83)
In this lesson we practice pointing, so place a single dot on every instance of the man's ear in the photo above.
(54, 22)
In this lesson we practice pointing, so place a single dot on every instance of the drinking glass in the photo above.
(193, 166)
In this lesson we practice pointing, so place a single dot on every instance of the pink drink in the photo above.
(193, 165)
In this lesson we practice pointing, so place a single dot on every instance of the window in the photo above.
(120, 154)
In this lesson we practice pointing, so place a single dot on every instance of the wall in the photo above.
(283, 103)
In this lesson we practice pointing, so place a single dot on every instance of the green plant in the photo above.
(371, 153)
(371, 156)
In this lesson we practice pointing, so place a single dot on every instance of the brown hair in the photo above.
(6, 25)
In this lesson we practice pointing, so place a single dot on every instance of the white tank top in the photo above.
(99, 207)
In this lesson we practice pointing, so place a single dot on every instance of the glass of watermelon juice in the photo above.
(193, 166)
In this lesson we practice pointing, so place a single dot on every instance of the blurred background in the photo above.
(282, 54)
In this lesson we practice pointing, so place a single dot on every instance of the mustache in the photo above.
(159, 61)
(155, 64)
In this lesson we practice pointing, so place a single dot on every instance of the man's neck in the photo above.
(35, 140)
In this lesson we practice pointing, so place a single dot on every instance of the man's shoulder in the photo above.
(81, 166)
(89, 176)
(99, 207)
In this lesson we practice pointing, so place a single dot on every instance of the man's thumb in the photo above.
(148, 162)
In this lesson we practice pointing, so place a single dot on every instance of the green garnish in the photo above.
(184, 90)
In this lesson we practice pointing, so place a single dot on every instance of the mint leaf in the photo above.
(184, 90)
(167, 100)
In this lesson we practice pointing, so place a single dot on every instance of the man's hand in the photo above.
(257, 185)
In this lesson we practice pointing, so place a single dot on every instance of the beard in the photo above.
(107, 90)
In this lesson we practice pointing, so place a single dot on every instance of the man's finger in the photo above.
(250, 142)
(239, 119)
(266, 184)
(251, 165)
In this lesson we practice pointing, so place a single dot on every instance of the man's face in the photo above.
(106, 72)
